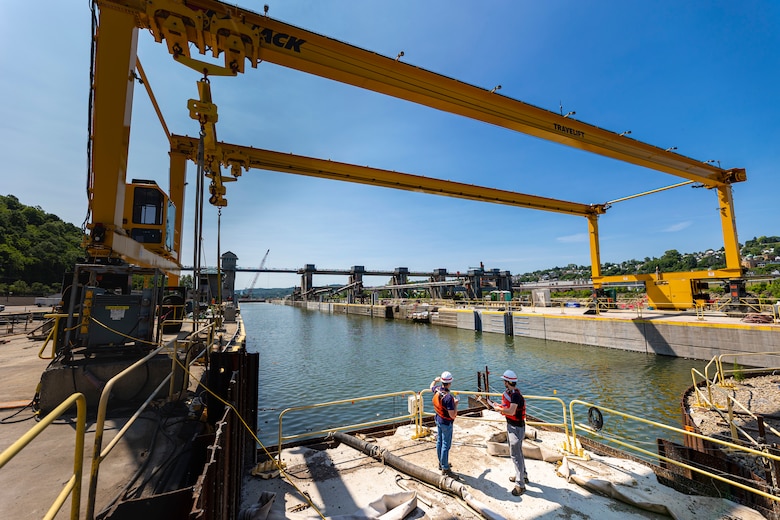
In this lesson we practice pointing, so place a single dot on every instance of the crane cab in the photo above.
(149, 216)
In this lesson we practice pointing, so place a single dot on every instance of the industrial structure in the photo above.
(135, 228)
(439, 283)
(243, 38)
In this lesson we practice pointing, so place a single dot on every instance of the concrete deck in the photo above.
(342, 481)
(31, 481)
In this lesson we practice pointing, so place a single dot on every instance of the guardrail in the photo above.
(416, 413)
(757, 305)
(719, 377)
(73, 486)
(739, 370)
(99, 453)
(562, 424)
(595, 417)
(730, 401)
(52, 335)
(569, 424)
(283, 438)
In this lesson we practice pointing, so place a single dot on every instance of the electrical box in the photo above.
(117, 319)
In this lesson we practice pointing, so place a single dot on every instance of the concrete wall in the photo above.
(693, 340)
(493, 321)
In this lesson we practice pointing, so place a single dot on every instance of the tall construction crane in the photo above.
(254, 280)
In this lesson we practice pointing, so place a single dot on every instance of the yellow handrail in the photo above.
(99, 454)
(283, 438)
(569, 443)
(73, 486)
(52, 336)
(729, 400)
(709, 474)
(736, 356)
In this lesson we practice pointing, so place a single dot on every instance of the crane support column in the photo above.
(729, 225)
(115, 60)
(595, 253)
(177, 179)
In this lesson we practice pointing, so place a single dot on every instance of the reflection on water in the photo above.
(310, 357)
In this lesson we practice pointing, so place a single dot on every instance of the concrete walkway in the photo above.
(342, 480)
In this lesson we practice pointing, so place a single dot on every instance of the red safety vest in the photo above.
(506, 401)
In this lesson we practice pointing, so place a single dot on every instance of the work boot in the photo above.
(512, 479)
(449, 473)
(517, 491)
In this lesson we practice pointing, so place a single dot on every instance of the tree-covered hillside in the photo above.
(36, 248)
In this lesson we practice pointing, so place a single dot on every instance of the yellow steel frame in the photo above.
(242, 36)
(247, 157)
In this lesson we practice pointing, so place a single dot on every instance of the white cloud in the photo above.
(678, 227)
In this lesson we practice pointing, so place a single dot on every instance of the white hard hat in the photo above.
(446, 377)
(509, 376)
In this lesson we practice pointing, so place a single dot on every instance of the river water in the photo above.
(311, 357)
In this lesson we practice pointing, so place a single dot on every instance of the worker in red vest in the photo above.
(512, 407)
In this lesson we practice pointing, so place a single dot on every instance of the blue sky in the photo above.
(700, 75)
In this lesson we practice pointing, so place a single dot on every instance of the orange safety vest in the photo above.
(438, 406)
(506, 401)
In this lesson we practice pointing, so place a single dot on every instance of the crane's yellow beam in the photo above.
(241, 35)
(234, 157)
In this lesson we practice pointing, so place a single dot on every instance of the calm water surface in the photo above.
(311, 357)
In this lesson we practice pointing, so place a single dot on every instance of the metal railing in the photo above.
(738, 370)
(757, 305)
(594, 431)
(730, 401)
(52, 335)
(99, 453)
(416, 413)
(719, 377)
(73, 485)
(283, 438)
(562, 424)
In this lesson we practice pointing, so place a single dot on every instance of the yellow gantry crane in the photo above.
(243, 37)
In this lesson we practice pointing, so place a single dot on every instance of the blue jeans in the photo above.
(515, 436)
(443, 444)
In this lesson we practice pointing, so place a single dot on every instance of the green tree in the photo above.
(35, 246)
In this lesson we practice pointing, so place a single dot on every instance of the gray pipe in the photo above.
(446, 484)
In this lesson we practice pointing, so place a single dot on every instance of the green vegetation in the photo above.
(762, 246)
(737, 372)
(266, 294)
(36, 249)
(671, 261)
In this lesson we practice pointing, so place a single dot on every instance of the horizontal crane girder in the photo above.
(313, 167)
(241, 35)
